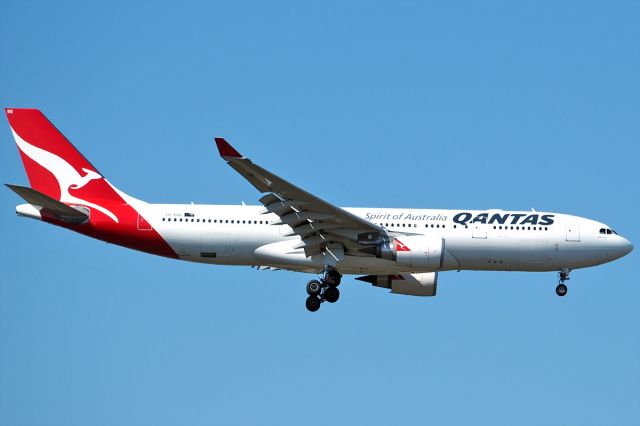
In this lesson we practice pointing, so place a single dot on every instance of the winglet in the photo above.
(226, 150)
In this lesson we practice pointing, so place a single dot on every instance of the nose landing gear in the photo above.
(561, 289)
(324, 290)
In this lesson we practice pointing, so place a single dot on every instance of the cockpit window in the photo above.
(607, 231)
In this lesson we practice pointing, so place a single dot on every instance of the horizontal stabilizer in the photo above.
(52, 206)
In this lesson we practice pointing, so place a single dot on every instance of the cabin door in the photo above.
(479, 230)
(573, 232)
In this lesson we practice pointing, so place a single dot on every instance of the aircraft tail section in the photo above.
(55, 167)
(67, 190)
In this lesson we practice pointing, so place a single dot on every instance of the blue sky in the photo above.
(397, 104)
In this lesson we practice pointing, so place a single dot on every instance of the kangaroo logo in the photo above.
(401, 247)
(66, 175)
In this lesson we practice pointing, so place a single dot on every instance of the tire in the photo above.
(333, 278)
(313, 303)
(314, 287)
(331, 295)
(561, 290)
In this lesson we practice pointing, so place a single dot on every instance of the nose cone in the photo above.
(623, 247)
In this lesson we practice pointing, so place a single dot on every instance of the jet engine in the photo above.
(409, 284)
(413, 251)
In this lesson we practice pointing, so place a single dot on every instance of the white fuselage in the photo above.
(241, 235)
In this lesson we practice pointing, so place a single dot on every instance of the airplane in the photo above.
(400, 249)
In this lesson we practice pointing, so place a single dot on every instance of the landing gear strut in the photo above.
(561, 289)
(323, 290)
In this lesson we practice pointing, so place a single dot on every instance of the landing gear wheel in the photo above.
(561, 290)
(331, 294)
(313, 303)
(314, 287)
(333, 278)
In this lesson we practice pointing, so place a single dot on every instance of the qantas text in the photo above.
(465, 218)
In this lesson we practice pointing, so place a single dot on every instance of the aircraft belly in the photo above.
(484, 253)
(505, 254)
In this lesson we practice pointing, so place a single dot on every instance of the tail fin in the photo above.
(68, 191)
(55, 167)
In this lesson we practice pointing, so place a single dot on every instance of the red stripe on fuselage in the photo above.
(125, 233)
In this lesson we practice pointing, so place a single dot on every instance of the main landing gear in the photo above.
(323, 290)
(561, 290)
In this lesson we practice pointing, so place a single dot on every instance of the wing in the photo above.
(320, 224)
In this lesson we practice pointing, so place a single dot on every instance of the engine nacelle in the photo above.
(424, 284)
(414, 251)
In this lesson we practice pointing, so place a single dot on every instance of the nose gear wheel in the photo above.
(561, 289)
